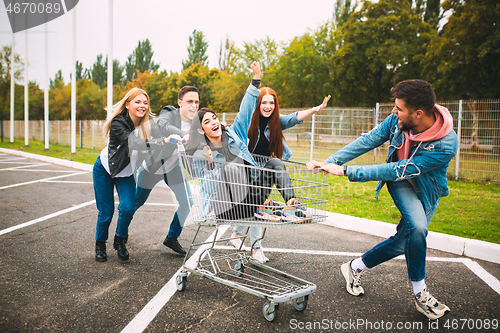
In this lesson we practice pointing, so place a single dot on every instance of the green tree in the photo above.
(140, 60)
(227, 56)
(5, 73)
(265, 51)
(383, 43)
(35, 101)
(465, 62)
(60, 100)
(90, 100)
(303, 74)
(98, 73)
(227, 91)
(79, 70)
(197, 50)
(342, 11)
(58, 81)
(156, 86)
(117, 71)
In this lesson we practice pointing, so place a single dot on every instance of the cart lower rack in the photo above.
(224, 193)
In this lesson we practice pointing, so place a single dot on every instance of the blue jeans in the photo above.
(411, 233)
(174, 179)
(104, 186)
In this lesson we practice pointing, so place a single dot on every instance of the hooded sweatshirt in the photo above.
(442, 127)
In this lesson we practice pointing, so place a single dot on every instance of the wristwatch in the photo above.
(345, 170)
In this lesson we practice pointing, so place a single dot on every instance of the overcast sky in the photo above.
(167, 24)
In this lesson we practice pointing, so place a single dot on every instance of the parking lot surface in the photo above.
(50, 281)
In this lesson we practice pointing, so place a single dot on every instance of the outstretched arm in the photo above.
(301, 115)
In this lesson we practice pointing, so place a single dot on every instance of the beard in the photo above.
(406, 127)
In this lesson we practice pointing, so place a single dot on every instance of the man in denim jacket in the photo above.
(421, 144)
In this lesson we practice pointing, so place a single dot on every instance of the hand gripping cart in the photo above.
(219, 194)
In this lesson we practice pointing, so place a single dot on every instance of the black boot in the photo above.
(119, 245)
(100, 251)
(174, 245)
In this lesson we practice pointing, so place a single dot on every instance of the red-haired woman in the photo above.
(265, 132)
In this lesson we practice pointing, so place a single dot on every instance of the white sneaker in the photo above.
(353, 279)
(236, 242)
(259, 256)
(430, 306)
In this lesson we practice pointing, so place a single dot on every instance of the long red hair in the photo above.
(275, 132)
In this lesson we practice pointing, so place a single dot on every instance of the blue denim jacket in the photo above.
(247, 108)
(237, 143)
(427, 168)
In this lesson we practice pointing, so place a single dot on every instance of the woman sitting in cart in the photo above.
(232, 190)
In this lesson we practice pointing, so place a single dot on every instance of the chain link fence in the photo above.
(477, 123)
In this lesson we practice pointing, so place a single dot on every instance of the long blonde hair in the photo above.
(120, 108)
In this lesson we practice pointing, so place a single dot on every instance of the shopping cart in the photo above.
(206, 180)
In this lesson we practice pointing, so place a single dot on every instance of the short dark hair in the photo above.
(185, 90)
(417, 94)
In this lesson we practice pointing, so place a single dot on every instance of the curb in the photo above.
(471, 248)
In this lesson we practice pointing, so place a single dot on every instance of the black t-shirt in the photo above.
(262, 146)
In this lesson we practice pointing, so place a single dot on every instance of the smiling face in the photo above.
(211, 127)
(406, 117)
(267, 106)
(188, 105)
(138, 107)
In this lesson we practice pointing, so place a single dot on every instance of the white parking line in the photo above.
(13, 159)
(489, 279)
(67, 181)
(149, 312)
(42, 180)
(46, 217)
(24, 166)
(37, 170)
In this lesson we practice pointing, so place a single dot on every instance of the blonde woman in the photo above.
(128, 129)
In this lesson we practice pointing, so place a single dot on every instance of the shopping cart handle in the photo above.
(174, 141)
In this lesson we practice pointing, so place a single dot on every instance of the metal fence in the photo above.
(477, 124)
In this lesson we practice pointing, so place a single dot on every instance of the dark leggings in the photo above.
(239, 194)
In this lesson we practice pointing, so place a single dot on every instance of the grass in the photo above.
(472, 209)
(83, 155)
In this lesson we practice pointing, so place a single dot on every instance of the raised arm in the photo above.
(248, 104)
(301, 115)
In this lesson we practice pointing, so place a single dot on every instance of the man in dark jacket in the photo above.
(178, 122)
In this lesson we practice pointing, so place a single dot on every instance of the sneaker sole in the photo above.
(267, 217)
(431, 316)
(344, 269)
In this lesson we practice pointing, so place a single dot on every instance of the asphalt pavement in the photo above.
(50, 281)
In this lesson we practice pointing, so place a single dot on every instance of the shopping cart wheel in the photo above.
(180, 282)
(270, 310)
(238, 268)
(300, 303)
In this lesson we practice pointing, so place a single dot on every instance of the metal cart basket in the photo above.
(219, 194)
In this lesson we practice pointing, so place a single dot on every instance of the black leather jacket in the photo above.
(122, 140)
(169, 121)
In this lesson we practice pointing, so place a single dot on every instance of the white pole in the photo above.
(110, 56)
(12, 84)
(46, 93)
(73, 88)
(459, 133)
(313, 118)
(26, 105)
(377, 111)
